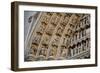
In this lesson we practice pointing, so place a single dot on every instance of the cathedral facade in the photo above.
(58, 36)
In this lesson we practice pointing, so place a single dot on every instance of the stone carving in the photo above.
(45, 18)
(46, 40)
(53, 51)
(43, 50)
(36, 39)
(50, 29)
(59, 30)
(55, 19)
(60, 36)
(41, 28)
(56, 41)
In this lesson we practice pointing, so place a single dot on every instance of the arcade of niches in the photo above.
(59, 36)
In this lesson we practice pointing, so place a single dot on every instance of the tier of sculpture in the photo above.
(59, 36)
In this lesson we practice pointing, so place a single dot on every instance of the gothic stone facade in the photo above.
(58, 36)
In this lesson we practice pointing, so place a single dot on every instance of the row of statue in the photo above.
(57, 36)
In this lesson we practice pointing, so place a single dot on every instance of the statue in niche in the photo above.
(43, 50)
(69, 53)
(59, 31)
(74, 19)
(76, 49)
(73, 48)
(36, 39)
(53, 19)
(79, 47)
(64, 21)
(84, 45)
(65, 41)
(55, 41)
(46, 18)
(53, 51)
(88, 43)
(41, 28)
(88, 20)
(75, 37)
(46, 40)
(31, 54)
(69, 31)
(33, 49)
(57, 19)
(50, 29)
(63, 51)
